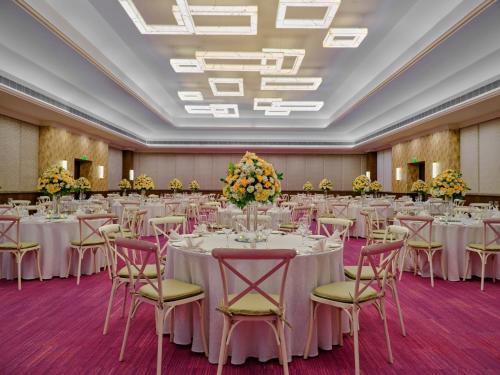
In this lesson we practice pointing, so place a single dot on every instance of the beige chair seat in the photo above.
(480, 246)
(343, 291)
(378, 236)
(13, 246)
(253, 304)
(89, 242)
(424, 245)
(149, 271)
(378, 231)
(366, 272)
(289, 226)
(172, 289)
(126, 234)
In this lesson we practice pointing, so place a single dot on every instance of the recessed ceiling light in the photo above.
(186, 66)
(344, 38)
(279, 107)
(190, 95)
(216, 110)
(290, 83)
(213, 82)
(293, 23)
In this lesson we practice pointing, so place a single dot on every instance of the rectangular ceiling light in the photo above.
(213, 82)
(279, 107)
(344, 38)
(192, 96)
(216, 110)
(293, 23)
(297, 53)
(221, 11)
(186, 66)
(262, 61)
(290, 83)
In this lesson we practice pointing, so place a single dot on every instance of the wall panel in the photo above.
(115, 162)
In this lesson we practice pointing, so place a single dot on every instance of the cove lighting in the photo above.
(213, 82)
(184, 13)
(279, 107)
(435, 169)
(131, 174)
(64, 164)
(319, 23)
(100, 171)
(216, 110)
(290, 83)
(192, 96)
(344, 38)
(399, 174)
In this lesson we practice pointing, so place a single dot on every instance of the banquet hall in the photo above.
(242, 186)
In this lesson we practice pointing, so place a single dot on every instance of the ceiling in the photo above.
(87, 57)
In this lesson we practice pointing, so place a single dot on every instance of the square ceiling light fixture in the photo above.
(344, 38)
(191, 96)
(216, 110)
(318, 23)
(290, 83)
(184, 13)
(186, 66)
(213, 82)
(279, 107)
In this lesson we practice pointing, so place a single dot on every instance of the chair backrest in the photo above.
(491, 232)
(420, 228)
(162, 226)
(339, 209)
(5, 209)
(280, 259)
(382, 258)
(10, 230)
(481, 206)
(148, 254)
(106, 232)
(137, 224)
(381, 212)
(20, 202)
(300, 212)
(342, 225)
(458, 202)
(43, 198)
(88, 225)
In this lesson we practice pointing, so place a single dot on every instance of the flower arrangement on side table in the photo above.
(325, 185)
(124, 185)
(194, 186)
(375, 187)
(82, 185)
(449, 184)
(56, 181)
(420, 187)
(361, 184)
(143, 183)
(175, 185)
(307, 186)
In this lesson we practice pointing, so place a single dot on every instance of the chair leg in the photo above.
(37, 258)
(127, 329)
(395, 295)
(443, 265)
(284, 354)
(69, 261)
(18, 262)
(79, 271)
(160, 316)
(171, 325)
(201, 305)
(402, 263)
(356, 339)
(310, 329)
(386, 331)
(429, 258)
(222, 350)
(339, 321)
(483, 266)
(110, 305)
(127, 287)
(467, 262)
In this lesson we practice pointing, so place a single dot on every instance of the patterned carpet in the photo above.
(55, 328)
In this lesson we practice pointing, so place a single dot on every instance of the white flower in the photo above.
(264, 178)
(250, 189)
(258, 171)
(258, 187)
(251, 180)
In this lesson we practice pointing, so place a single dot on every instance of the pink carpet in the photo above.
(54, 327)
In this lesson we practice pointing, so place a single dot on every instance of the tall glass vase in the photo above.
(81, 195)
(56, 205)
(252, 212)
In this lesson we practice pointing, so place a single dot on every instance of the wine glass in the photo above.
(227, 232)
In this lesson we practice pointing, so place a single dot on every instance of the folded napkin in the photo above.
(320, 246)
(192, 244)
(175, 236)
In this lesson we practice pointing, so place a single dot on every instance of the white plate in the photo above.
(191, 235)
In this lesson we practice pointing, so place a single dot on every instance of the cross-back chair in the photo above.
(252, 303)
(163, 226)
(299, 213)
(164, 295)
(341, 225)
(5, 209)
(373, 232)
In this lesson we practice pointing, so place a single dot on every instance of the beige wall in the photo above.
(207, 169)
(384, 169)
(115, 161)
(18, 155)
(442, 147)
(58, 144)
(480, 157)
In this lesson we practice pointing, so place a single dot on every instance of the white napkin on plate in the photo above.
(174, 236)
(335, 237)
(320, 246)
(192, 244)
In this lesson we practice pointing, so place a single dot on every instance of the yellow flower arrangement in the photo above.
(252, 179)
(449, 184)
(375, 186)
(194, 185)
(143, 182)
(420, 187)
(56, 180)
(325, 185)
(124, 184)
(175, 184)
(82, 184)
(307, 186)
(361, 184)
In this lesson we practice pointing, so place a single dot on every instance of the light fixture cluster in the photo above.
(268, 62)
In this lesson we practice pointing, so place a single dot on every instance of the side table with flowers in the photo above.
(175, 185)
(361, 184)
(194, 186)
(143, 183)
(82, 185)
(307, 187)
(421, 188)
(56, 181)
(375, 187)
(325, 185)
(124, 185)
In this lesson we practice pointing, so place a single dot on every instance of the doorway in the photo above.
(82, 168)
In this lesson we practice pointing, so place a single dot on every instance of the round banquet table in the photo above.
(156, 209)
(225, 216)
(455, 235)
(307, 271)
(54, 237)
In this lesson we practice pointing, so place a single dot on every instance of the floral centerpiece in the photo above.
(449, 184)
(375, 186)
(361, 184)
(325, 185)
(420, 187)
(124, 184)
(143, 183)
(307, 186)
(251, 180)
(194, 186)
(56, 180)
(175, 185)
(82, 185)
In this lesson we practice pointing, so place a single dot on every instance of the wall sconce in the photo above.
(131, 175)
(100, 171)
(64, 164)
(399, 174)
(435, 169)
(368, 174)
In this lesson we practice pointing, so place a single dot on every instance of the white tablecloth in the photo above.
(255, 340)
(54, 237)
(156, 209)
(225, 216)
